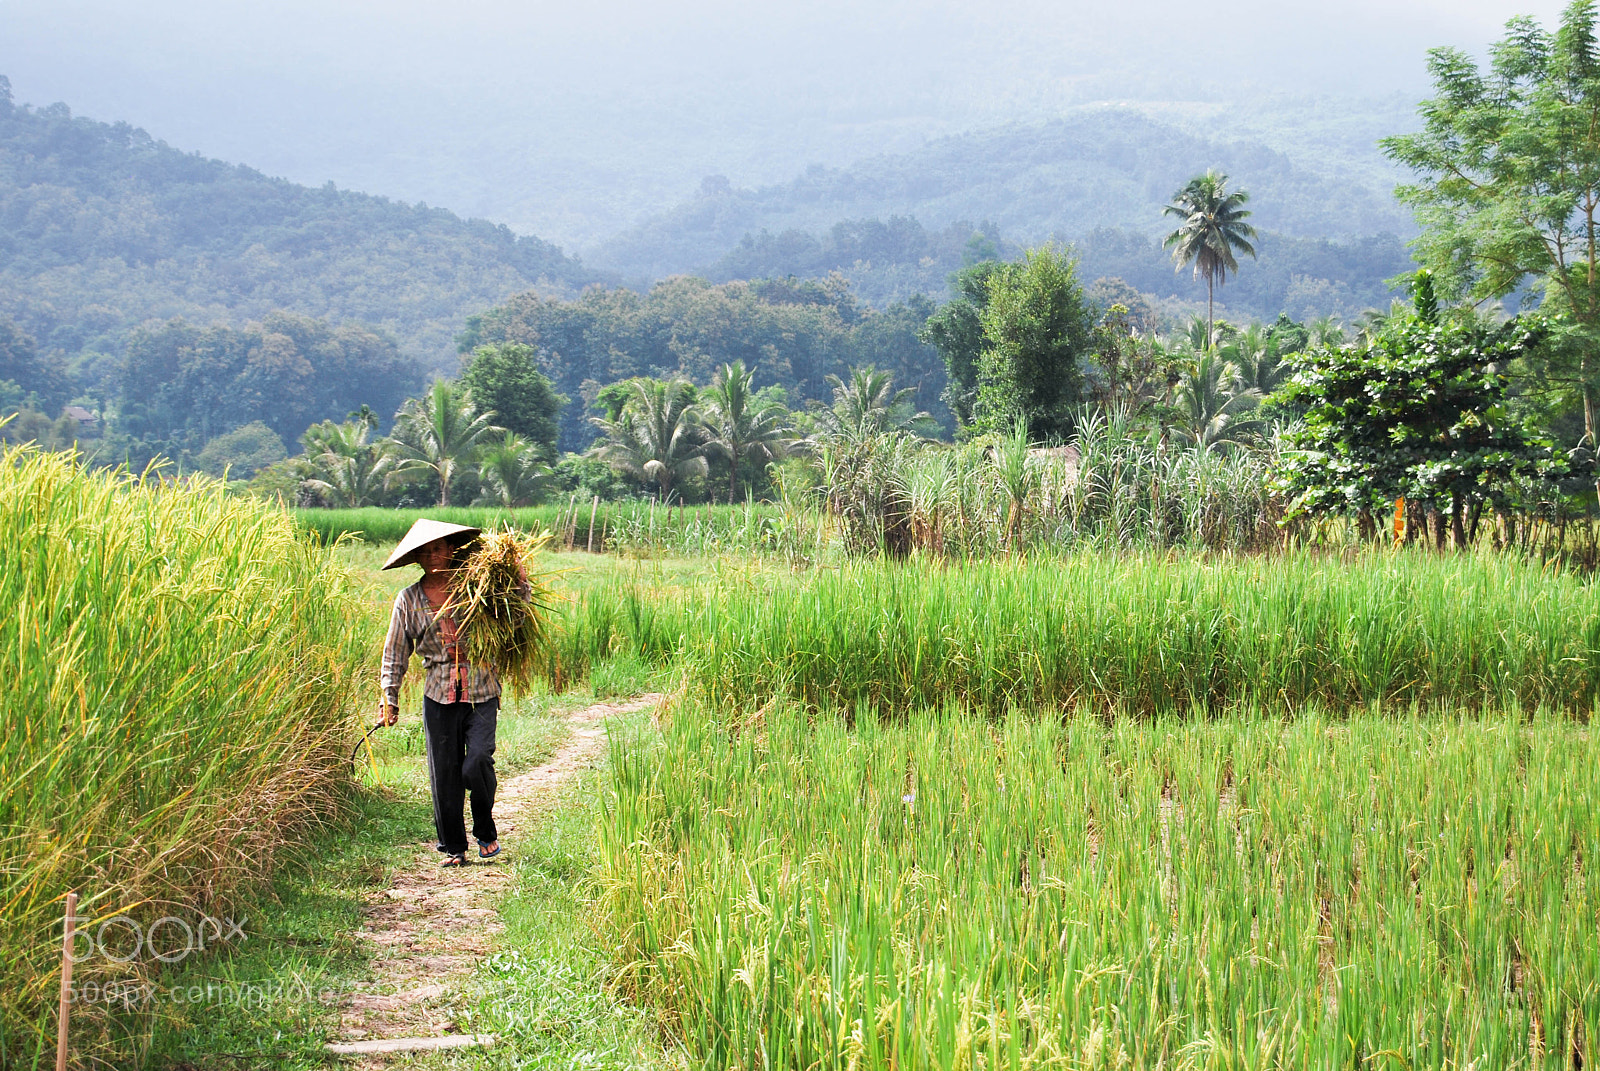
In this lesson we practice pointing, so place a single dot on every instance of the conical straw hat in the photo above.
(423, 532)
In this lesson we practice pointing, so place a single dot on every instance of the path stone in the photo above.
(431, 926)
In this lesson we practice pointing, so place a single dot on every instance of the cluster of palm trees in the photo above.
(666, 431)
(1219, 382)
(663, 435)
(437, 438)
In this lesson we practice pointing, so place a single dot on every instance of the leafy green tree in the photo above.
(242, 452)
(656, 438)
(1139, 314)
(22, 365)
(512, 472)
(1508, 187)
(1417, 412)
(1127, 372)
(737, 426)
(866, 406)
(1037, 329)
(955, 332)
(504, 378)
(1211, 231)
(439, 435)
(582, 477)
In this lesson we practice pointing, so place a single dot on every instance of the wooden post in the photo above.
(66, 980)
(572, 519)
(592, 511)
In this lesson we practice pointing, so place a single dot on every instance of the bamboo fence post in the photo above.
(572, 519)
(592, 511)
(66, 980)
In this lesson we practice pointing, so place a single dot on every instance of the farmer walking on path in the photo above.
(460, 703)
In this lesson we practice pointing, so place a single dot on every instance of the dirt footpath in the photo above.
(432, 926)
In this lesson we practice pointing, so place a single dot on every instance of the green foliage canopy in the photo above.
(792, 334)
(183, 385)
(1036, 329)
(1415, 411)
(505, 379)
(1508, 187)
(955, 331)
(243, 451)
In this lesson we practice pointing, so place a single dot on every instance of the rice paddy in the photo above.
(628, 527)
(1137, 634)
(1245, 892)
(1295, 811)
(1084, 809)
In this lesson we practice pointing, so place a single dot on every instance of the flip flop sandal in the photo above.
(455, 859)
(489, 855)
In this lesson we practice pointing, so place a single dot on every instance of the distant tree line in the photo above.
(794, 333)
(182, 386)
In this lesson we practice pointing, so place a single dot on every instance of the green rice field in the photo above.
(1083, 810)
(624, 526)
(1249, 891)
(1136, 634)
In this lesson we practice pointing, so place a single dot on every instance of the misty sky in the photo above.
(572, 121)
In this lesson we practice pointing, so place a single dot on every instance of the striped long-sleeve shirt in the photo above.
(448, 677)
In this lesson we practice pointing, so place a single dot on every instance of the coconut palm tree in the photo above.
(341, 466)
(1210, 403)
(1261, 367)
(438, 435)
(1327, 331)
(736, 426)
(511, 471)
(867, 405)
(1212, 231)
(656, 437)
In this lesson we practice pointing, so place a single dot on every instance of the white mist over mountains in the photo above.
(576, 122)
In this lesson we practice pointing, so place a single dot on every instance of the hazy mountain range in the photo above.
(579, 122)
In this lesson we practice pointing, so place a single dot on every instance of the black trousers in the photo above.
(460, 741)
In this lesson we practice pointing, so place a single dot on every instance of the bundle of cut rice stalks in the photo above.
(502, 608)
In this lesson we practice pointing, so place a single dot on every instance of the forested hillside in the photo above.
(103, 228)
(891, 260)
(1091, 169)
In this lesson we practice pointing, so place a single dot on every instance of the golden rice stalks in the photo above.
(503, 610)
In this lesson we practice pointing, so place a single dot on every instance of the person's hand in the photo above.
(391, 715)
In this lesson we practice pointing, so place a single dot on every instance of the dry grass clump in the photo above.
(503, 609)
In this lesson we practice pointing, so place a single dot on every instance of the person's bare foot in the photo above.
(488, 851)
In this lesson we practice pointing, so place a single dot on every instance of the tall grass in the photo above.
(1109, 490)
(1254, 892)
(1153, 633)
(179, 667)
